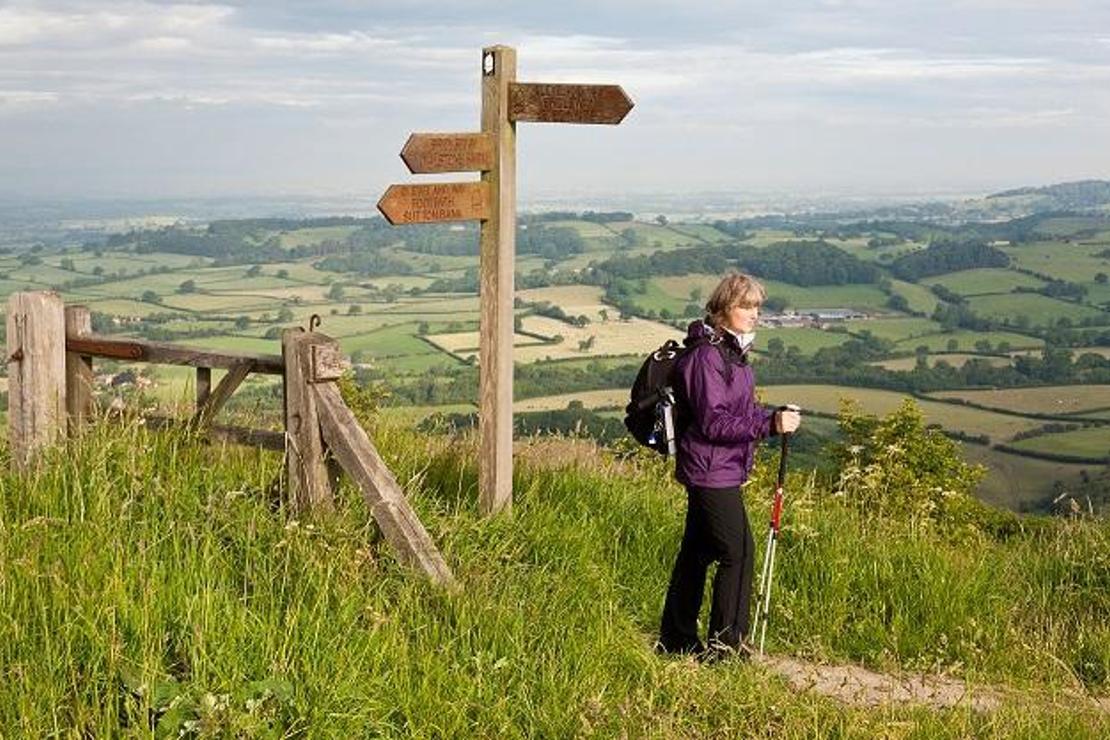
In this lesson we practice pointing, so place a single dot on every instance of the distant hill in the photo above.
(1066, 196)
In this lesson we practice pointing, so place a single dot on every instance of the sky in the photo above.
(147, 99)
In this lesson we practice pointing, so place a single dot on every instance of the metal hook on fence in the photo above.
(314, 322)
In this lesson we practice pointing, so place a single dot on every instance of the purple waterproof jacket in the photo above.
(722, 423)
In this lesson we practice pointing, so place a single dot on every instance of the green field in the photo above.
(674, 293)
(919, 298)
(152, 588)
(1093, 442)
(1019, 483)
(1074, 262)
(828, 398)
(315, 235)
(965, 341)
(984, 281)
(1055, 399)
(1038, 309)
(896, 330)
(955, 359)
(804, 338)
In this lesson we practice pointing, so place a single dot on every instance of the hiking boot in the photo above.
(692, 648)
(718, 652)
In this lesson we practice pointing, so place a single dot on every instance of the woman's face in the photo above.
(742, 319)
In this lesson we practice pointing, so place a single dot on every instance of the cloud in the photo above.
(708, 78)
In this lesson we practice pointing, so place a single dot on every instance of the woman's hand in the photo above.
(788, 420)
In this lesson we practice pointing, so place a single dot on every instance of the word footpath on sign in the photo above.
(492, 201)
(421, 204)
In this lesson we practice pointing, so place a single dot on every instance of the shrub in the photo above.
(897, 467)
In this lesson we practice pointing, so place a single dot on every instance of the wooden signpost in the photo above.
(448, 201)
(428, 153)
(492, 201)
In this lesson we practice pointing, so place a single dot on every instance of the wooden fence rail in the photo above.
(50, 390)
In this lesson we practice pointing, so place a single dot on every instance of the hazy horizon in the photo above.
(146, 100)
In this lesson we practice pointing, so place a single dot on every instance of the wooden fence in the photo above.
(51, 349)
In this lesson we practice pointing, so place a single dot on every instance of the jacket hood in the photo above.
(698, 331)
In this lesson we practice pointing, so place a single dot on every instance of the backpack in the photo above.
(652, 415)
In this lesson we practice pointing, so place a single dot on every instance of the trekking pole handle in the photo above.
(784, 444)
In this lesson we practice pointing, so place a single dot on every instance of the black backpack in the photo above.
(652, 415)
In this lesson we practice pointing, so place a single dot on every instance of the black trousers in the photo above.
(717, 529)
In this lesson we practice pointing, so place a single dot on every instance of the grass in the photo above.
(918, 297)
(1091, 442)
(827, 398)
(1020, 483)
(1039, 309)
(145, 572)
(1075, 262)
(955, 359)
(315, 235)
(966, 340)
(603, 399)
(804, 338)
(895, 330)
(983, 281)
(1053, 399)
(674, 293)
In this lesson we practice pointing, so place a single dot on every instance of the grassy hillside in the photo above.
(149, 581)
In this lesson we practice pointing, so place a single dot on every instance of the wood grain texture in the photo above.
(496, 267)
(79, 371)
(559, 103)
(217, 398)
(309, 483)
(204, 385)
(435, 202)
(139, 350)
(429, 153)
(351, 446)
(36, 373)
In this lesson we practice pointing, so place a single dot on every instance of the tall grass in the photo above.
(150, 584)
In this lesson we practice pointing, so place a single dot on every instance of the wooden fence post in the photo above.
(36, 373)
(307, 475)
(496, 265)
(79, 370)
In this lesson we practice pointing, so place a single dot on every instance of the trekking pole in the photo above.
(763, 600)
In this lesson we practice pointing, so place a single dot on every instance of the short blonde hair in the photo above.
(736, 289)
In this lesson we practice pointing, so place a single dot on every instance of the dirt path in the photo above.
(859, 686)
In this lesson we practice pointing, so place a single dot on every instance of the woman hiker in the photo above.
(722, 427)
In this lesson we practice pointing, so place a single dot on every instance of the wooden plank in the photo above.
(216, 400)
(139, 350)
(309, 484)
(204, 385)
(328, 363)
(496, 267)
(36, 373)
(351, 446)
(557, 103)
(434, 202)
(79, 370)
(263, 438)
(428, 153)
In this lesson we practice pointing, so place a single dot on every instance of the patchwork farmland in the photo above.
(601, 294)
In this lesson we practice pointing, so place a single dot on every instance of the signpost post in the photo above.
(492, 201)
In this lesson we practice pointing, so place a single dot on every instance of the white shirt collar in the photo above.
(744, 339)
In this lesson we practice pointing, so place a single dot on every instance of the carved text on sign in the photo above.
(553, 103)
(426, 153)
(450, 201)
